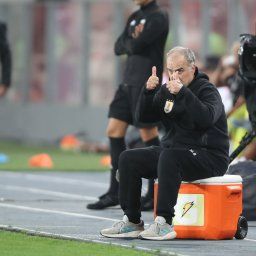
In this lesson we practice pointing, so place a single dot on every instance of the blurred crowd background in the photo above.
(64, 68)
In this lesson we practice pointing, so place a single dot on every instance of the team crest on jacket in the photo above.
(142, 21)
(168, 106)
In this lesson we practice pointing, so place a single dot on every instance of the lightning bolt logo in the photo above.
(187, 207)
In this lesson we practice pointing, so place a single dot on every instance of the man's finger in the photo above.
(154, 71)
(140, 27)
(176, 76)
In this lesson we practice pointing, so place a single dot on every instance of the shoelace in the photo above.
(119, 224)
(154, 227)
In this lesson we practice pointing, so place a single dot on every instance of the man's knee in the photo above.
(169, 161)
(171, 155)
(116, 128)
(112, 131)
(129, 162)
(125, 159)
(148, 133)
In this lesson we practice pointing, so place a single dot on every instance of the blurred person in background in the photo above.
(226, 74)
(143, 41)
(209, 68)
(5, 57)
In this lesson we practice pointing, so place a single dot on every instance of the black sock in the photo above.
(168, 220)
(134, 220)
(153, 142)
(117, 146)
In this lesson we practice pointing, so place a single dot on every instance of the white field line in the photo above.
(75, 238)
(251, 240)
(52, 226)
(48, 192)
(97, 241)
(72, 214)
(32, 209)
(48, 178)
(47, 234)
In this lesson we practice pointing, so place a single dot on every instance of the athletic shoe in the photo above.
(104, 202)
(123, 229)
(159, 230)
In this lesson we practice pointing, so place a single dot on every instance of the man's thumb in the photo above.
(154, 71)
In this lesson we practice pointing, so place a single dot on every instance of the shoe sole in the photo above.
(133, 234)
(168, 236)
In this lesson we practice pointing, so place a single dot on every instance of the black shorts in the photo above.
(123, 105)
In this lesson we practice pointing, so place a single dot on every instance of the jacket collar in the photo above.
(197, 75)
(149, 6)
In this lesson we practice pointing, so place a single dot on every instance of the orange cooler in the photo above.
(208, 208)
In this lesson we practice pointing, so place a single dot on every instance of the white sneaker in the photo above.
(123, 229)
(159, 230)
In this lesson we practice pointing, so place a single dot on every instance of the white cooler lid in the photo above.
(217, 180)
(220, 179)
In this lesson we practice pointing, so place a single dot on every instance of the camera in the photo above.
(247, 71)
(247, 57)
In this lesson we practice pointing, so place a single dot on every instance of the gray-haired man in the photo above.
(195, 146)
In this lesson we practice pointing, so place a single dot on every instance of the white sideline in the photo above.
(32, 209)
(73, 214)
(251, 240)
(66, 237)
(48, 192)
(48, 178)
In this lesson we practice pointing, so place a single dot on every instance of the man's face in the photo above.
(141, 2)
(177, 64)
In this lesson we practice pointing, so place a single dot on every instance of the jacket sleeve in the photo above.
(205, 109)
(154, 27)
(147, 110)
(120, 47)
(5, 56)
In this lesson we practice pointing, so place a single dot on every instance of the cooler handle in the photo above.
(234, 190)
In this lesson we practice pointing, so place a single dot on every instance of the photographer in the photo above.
(195, 145)
(247, 70)
(5, 58)
(226, 74)
(247, 169)
(247, 77)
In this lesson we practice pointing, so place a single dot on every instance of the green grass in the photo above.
(63, 160)
(18, 244)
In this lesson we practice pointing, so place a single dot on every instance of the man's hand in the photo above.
(137, 31)
(174, 85)
(3, 90)
(153, 80)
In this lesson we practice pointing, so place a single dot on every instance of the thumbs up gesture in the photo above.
(174, 84)
(153, 80)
